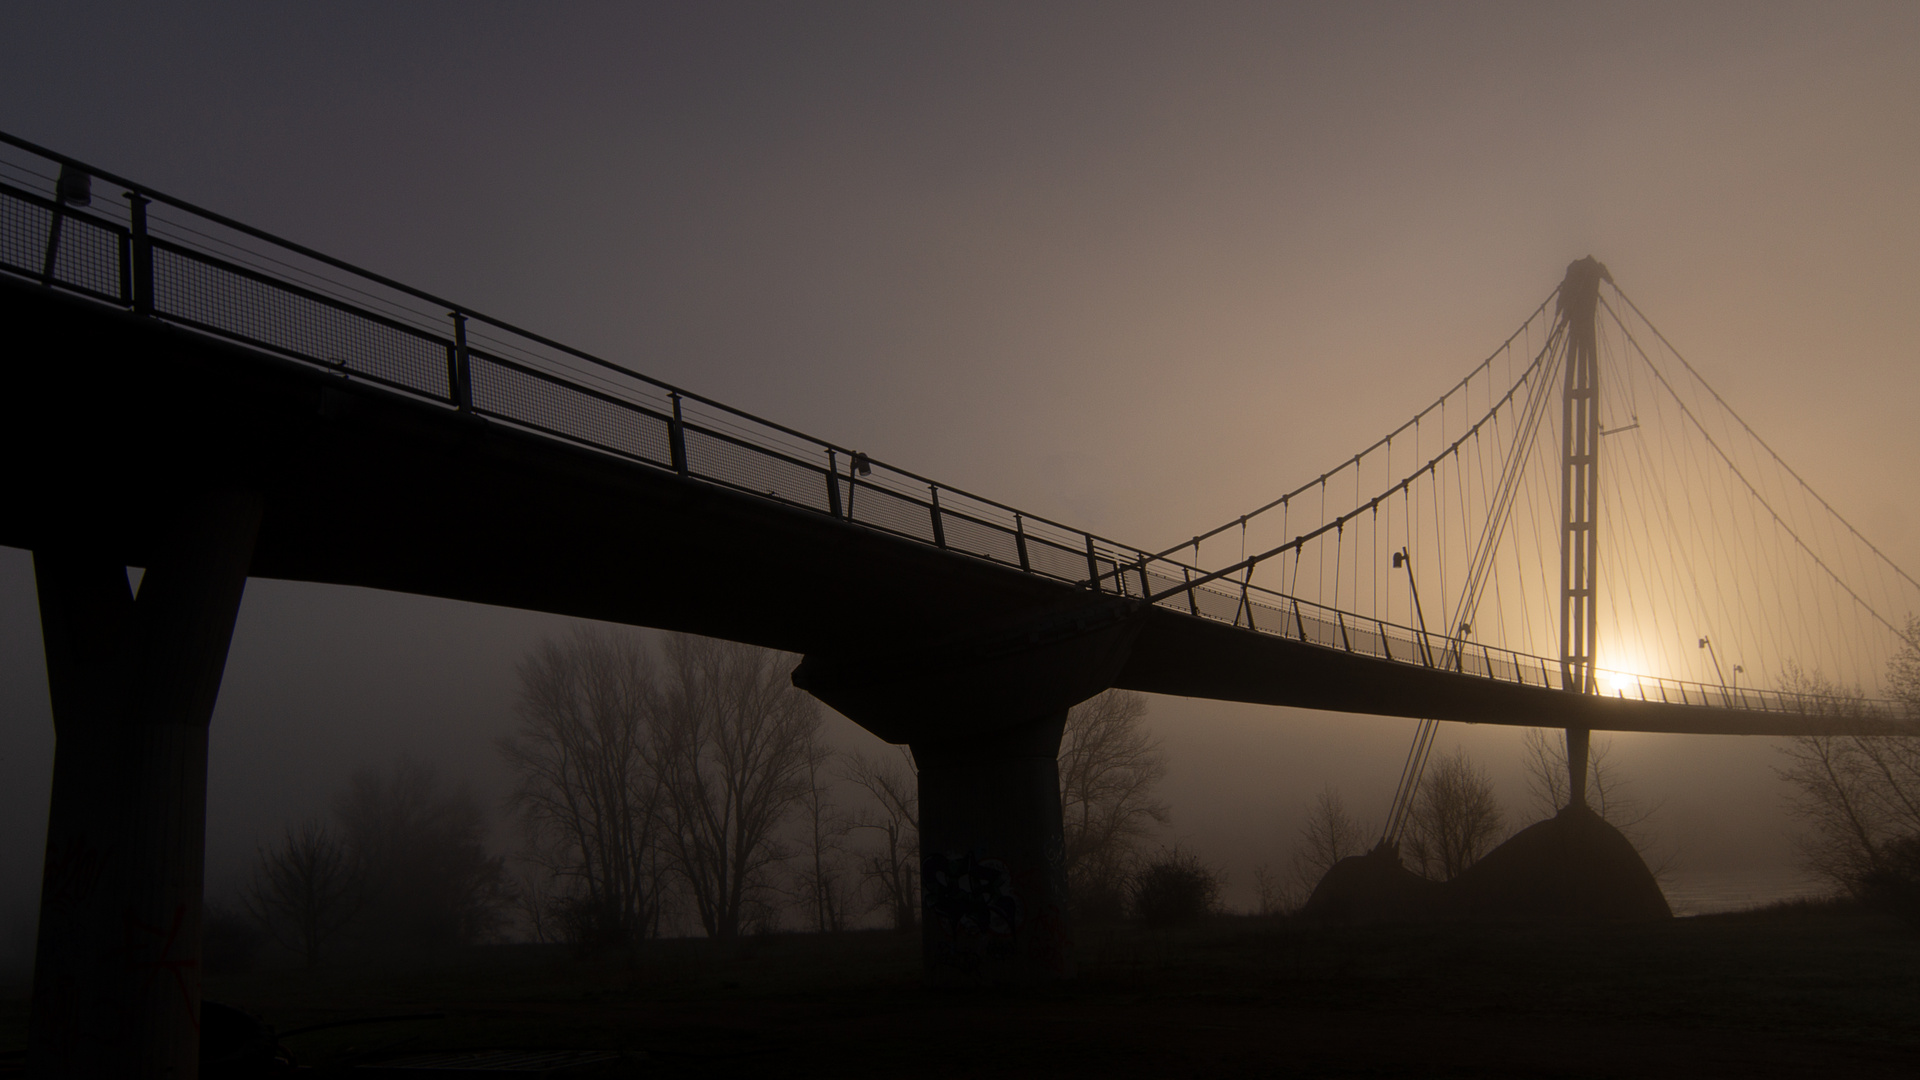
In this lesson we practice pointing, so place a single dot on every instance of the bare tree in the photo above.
(821, 882)
(891, 867)
(304, 892)
(420, 852)
(1857, 795)
(1109, 768)
(1608, 793)
(1455, 817)
(588, 792)
(1274, 894)
(732, 742)
(1903, 670)
(1329, 835)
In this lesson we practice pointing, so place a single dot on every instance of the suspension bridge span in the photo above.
(196, 397)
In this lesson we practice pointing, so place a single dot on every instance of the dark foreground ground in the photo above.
(1798, 991)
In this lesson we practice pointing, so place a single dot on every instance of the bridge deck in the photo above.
(112, 414)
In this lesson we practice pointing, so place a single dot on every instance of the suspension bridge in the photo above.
(1581, 533)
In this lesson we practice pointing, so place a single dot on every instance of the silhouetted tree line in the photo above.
(692, 777)
(1858, 796)
(663, 787)
(402, 869)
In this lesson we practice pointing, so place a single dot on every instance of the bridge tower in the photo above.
(1580, 502)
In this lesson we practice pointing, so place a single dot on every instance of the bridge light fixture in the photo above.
(75, 186)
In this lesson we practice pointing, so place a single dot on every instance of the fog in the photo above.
(1136, 268)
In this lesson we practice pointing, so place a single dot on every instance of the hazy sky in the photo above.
(1134, 267)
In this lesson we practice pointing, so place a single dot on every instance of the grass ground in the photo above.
(1804, 990)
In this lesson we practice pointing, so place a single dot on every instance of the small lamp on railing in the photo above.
(860, 465)
(75, 186)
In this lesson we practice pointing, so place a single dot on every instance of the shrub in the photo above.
(1894, 881)
(1176, 889)
(228, 939)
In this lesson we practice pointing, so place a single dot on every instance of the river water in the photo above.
(1704, 893)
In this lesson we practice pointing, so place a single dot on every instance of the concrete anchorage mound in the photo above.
(1572, 866)
(1373, 887)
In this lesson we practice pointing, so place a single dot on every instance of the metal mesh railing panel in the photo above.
(1364, 638)
(1215, 603)
(979, 538)
(1055, 561)
(515, 395)
(216, 297)
(898, 514)
(754, 470)
(88, 258)
(23, 233)
(1160, 582)
(87, 255)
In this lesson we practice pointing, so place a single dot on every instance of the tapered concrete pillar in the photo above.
(983, 712)
(116, 982)
(993, 882)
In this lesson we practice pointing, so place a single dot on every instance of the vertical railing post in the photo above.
(460, 387)
(142, 254)
(833, 483)
(939, 531)
(1186, 574)
(125, 243)
(1020, 542)
(677, 438)
(1386, 643)
(1093, 566)
(1340, 619)
(1146, 590)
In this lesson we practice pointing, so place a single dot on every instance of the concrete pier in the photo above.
(993, 882)
(116, 985)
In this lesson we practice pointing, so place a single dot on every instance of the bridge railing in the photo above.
(1176, 586)
(135, 248)
(83, 231)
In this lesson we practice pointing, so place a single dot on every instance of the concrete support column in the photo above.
(1578, 740)
(116, 982)
(993, 880)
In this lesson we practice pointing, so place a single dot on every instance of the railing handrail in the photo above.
(224, 221)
